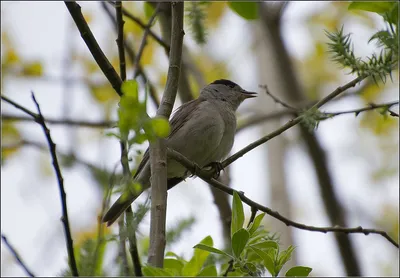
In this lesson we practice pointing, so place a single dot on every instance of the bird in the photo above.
(203, 130)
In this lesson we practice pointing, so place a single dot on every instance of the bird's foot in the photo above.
(216, 168)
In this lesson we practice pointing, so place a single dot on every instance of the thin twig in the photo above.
(290, 123)
(133, 249)
(253, 216)
(207, 177)
(120, 40)
(137, 20)
(257, 119)
(131, 55)
(144, 42)
(229, 269)
(40, 120)
(125, 270)
(16, 256)
(98, 54)
(277, 100)
(124, 162)
(63, 195)
(76, 123)
(158, 147)
(371, 106)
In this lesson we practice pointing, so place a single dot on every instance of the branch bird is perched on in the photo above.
(203, 130)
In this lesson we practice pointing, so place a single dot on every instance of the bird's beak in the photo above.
(246, 94)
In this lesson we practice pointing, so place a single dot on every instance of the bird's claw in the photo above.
(216, 168)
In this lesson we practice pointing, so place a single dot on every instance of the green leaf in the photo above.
(239, 241)
(268, 261)
(211, 250)
(247, 10)
(283, 258)
(264, 245)
(130, 88)
(237, 214)
(298, 271)
(199, 257)
(174, 265)
(160, 126)
(149, 270)
(376, 7)
(256, 223)
(249, 268)
(210, 270)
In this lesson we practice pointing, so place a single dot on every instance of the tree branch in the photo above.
(52, 147)
(158, 147)
(144, 41)
(77, 123)
(207, 177)
(16, 256)
(290, 123)
(131, 55)
(144, 26)
(94, 48)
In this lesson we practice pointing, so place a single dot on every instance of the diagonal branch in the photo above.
(131, 55)
(40, 120)
(158, 152)
(206, 176)
(291, 123)
(98, 54)
(144, 41)
(16, 256)
(137, 20)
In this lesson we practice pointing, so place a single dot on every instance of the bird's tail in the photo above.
(123, 202)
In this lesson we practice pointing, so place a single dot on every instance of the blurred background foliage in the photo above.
(317, 74)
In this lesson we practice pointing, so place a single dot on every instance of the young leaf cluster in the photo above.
(132, 117)
(253, 253)
(376, 65)
(196, 17)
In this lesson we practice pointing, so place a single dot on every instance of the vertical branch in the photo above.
(64, 218)
(124, 160)
(158, 153)
(120, 40)
(125, 271)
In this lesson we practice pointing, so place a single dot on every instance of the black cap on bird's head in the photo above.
(231, 84)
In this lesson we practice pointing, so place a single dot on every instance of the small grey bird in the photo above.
(203, 130)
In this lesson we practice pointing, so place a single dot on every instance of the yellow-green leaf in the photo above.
(160, 126)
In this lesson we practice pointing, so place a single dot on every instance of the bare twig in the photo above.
(257, 119)
(158, 147)
(371, 106)
(120, 40)
(144, 41)
(40, 120)
(291, 123)
(133, 249)
(76, 123)
(277, 100)
(16, 256)
(87, 35)
(144, 26)
(125, 271)
(131, 55)
(207, 177)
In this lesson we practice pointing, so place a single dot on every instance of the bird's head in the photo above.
(226, 91)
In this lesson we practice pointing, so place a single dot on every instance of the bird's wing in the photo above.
(180, 117)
